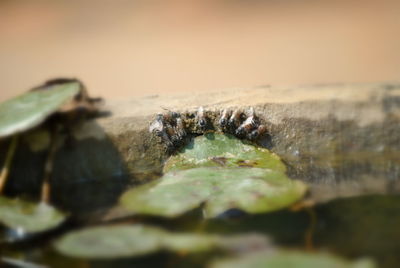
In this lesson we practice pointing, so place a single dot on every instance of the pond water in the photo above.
(365, 226)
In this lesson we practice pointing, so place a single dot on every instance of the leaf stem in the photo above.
(7, 163)
(308, 237)
(48, 168)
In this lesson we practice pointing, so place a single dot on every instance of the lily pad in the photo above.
(187, 242)
(124, 241)
(29, 217)
(110, 242)
(254, 190)
(33, 108)
(117, 241)
(223, 150)
(291, 259)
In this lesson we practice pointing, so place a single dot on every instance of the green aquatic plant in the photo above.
(55, 106)
(107, 242)
(253, 190)
(31, 109)
(296, 259)
(250, 179)
(223, 150)
(28, 217)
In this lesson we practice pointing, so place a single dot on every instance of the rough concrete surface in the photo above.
(345, 135)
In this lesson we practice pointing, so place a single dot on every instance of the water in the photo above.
(364, 226)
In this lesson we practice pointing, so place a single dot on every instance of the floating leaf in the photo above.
(211, 170)
(110, 242)
(117, 241)
(33, 108)
(124, 241)
(241, 244)
(254, 190)
(290, 259)
(223, 150)
(187, 242)
(29, 217)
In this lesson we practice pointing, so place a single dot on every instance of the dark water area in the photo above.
(365, 226)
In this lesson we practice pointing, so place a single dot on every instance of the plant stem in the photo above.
(48, 168)
(7, 163)
(308, 237)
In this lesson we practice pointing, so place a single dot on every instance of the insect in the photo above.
(259, 131)
(223, 121)
(170, 128)
(174, 127)
(201, 118)
(158, 127)
(248, 125)
(180, 128)
(235, 120)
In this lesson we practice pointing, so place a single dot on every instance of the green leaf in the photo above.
(223, 173)
(123, 241)
(290, 259)
(110, 242)
(117, 241)
(187, 242)
(223, 150)
(34, 107)
(253, 190)
(29, 217)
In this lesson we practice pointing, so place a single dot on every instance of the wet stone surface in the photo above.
(331, 135)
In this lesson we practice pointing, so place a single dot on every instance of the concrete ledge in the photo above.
(318, 119)
(327, 134)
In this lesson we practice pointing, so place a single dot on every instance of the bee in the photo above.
(173, 127)
(158, 127)
(223, 121)
(170, 116)
(180, 128)
(248, 125)
(170, 128)
(201, 118)
(177, 132)
(235, 120)
(259, 131)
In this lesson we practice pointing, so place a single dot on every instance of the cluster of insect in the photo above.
(173, 128)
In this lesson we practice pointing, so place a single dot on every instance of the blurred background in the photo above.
(122, 49)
